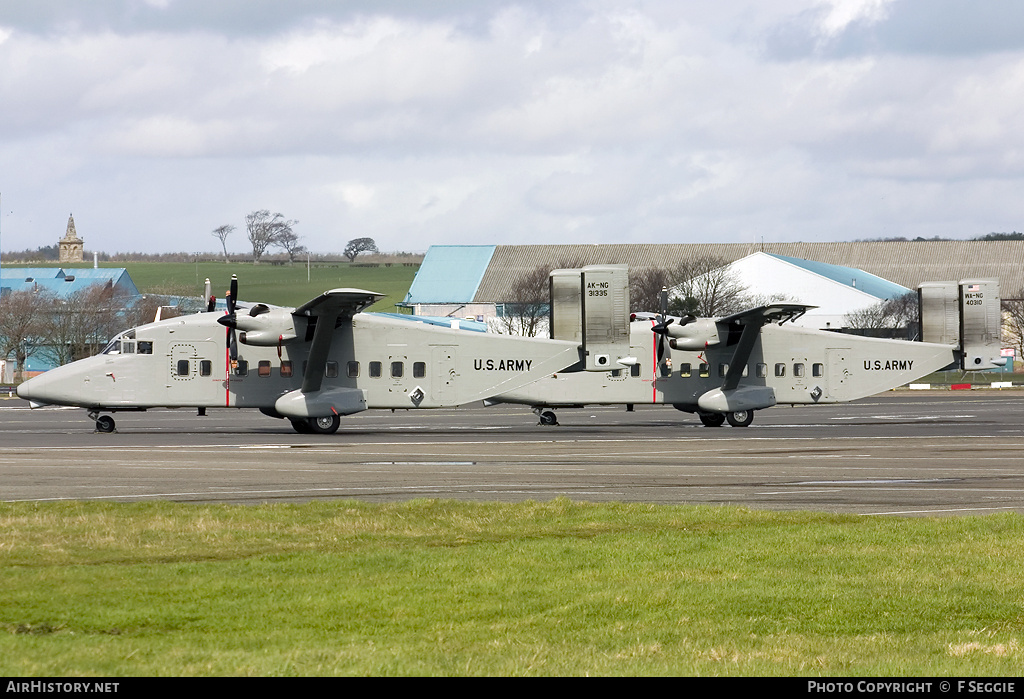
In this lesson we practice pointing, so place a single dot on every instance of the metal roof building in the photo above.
(463, 280)
(66, 282)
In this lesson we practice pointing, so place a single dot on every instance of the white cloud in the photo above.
(506, 122)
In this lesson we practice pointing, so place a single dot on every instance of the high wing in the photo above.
(750, 322)
(323, 315)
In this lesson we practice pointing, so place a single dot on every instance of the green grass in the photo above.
(283, 285)
(554, 588)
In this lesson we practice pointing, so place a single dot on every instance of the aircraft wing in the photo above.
(343, 303)
(751, 321)
(325, 311)
(761, 315)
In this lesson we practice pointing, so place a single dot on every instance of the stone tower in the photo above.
(72, 248)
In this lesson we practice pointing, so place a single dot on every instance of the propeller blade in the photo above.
(230, 319)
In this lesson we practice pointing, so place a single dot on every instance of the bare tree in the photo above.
(706, 287)
(289, 242)
(79, 326)
(265, 230)
(645, 288)
(526, 313)
(1013, 321)
(222, 233)
(359, 245)
(896, 314)
(20, 316)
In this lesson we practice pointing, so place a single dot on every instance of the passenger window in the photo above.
(332, 370)
(241, 368)
(798, 369)
(762, 371)
(684, 370)
(205, 367)
(780, 369)
(183, 367)
(817, 370)
(723, 369)
(397, 369)
(634, 370)
(419, 370)
(375, 370)
(353, 369)
(263, 368)
(704, 370)
(286, 369)
(145, 347)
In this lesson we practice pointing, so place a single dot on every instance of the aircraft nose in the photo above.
(37, 389)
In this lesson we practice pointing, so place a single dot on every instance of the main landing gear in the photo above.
(316, 425)
(739, 418)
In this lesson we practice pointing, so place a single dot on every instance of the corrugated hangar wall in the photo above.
(905, 262)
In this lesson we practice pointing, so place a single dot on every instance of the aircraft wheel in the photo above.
(104, 423)
(301, 426)
(740, 418)
(548, 418)
(324, 425)
(712, 419)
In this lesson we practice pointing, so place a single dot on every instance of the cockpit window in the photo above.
(114, 346)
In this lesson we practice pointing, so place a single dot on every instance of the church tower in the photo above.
(72, 248)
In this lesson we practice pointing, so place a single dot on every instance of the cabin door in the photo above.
(443, 388)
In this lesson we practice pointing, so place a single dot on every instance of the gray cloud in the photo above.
(472, 122)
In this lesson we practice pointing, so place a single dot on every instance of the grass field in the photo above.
(555, 588)
(283, 285)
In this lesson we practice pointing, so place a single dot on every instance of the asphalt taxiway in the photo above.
(908, 453)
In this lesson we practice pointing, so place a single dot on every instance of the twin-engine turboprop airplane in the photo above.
(310, 364)
(726, 368)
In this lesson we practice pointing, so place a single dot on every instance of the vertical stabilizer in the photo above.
(566, 322)
(980, 321)
(939, 304)
(605, 305)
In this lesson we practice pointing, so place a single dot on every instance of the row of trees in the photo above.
(62, 329)
(266, 230)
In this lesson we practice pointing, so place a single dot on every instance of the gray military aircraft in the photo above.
(310, 364)
(724, 369)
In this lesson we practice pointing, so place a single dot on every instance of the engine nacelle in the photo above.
(265, 338)
(718, 400)
(694, 336)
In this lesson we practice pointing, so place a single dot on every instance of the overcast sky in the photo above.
(493, 121)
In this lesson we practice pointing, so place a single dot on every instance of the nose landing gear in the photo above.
(104, 423)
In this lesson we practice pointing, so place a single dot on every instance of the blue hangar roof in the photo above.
(850, 276)
(65, 282)
(450, 274)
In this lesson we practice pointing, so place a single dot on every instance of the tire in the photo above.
(324, 425)
(712, 419)
(740, 418)
(301, 426)
(105, 423)
(548, 418)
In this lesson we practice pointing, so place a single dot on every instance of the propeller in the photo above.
(230, 320)
(661, 327)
